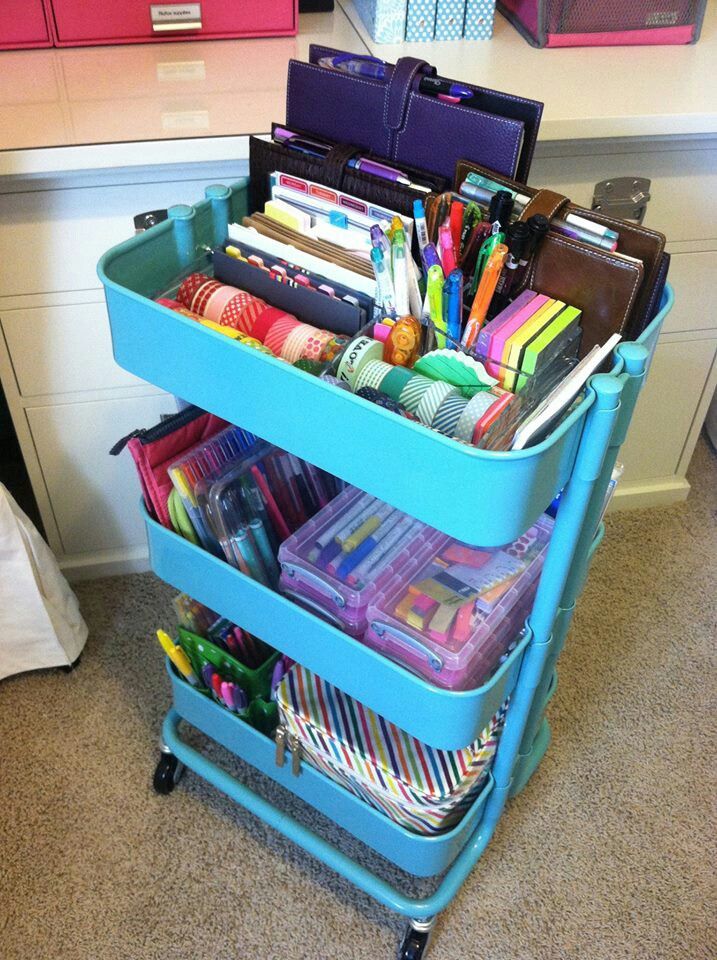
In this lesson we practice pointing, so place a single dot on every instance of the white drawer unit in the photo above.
(63, 349)
(93, 496)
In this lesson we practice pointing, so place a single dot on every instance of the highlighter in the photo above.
(398, 268)
(448, 252)
(484, 294)
(178, 657)
(384, 284)
(435, 303)
(453, 306)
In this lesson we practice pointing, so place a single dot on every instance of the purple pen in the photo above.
(241, 701)
(430, 256)
(385, 172)
(277, 674)
(207, 674)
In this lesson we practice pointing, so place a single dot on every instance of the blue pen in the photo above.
(452, 307)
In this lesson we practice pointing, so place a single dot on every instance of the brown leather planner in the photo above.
(614, 291)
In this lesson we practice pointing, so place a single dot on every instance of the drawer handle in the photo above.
(173, 17)
(311, 580)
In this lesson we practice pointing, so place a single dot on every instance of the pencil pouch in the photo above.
(614, 291)
(155, 448)
(332, 171)
(395, 120)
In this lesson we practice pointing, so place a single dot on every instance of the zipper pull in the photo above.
(294, 745)
(280, 737)
(121, 444)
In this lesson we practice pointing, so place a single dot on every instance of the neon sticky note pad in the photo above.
(522, 337)
(498, 339)
(547, 345)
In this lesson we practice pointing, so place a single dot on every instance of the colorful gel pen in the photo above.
(496, 238)
(518, 241)
(261, 538)
(384, 285)
(484, 295)
(178, 657)
(453, 307)
(419, 215)
(207, 674)
(448, 253)
(430, 256)
(398, 267)
(455, 221)
(435, 303)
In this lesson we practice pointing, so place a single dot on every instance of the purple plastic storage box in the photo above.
(597, 23)
(337, 582)
(455, 618)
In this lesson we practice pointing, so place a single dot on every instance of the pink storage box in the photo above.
(312, 577)
(498, 585)
(23, 24)
(79, 23)
(597, 23)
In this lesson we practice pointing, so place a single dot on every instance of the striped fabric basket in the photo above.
(423, 789)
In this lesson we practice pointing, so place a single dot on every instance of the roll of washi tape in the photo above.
(359, 352)
(189, 287)
(475, 408)
(333, 348)
(432, 399)
(368, 393)
(394, 381)
(414, 390)
(448, 414)
(313, 367)
(315, 345)
(256, 345)
(490, 416)
(278, 332)
(296, 341)
(335, 382)
(372, 374)
(266, 319)
(214, 307)
(242, 312)
(203, 296)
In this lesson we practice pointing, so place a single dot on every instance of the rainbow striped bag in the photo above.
(423, 789)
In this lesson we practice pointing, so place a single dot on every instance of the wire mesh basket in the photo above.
(601, 23)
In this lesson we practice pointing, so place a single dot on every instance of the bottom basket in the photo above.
(419, 855)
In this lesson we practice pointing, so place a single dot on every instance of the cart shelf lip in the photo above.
(445, 719)
(418, 854)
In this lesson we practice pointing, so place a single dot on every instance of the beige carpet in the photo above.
(607, 854)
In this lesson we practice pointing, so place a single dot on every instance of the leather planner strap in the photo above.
(399, 86)
(546, 202)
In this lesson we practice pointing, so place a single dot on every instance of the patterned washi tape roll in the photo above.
(278, 332)
(189, 287)
(203, 295)
(432, 399)
(475, 408)
(265, 320)
(242, 314)
(414, 390)
(394, 381)
(296, 341)
(333, 348)
(218, 300)
(309, 366)
(335, 382)
(315, 344)
(359, 352)
(448, 414)
(372, 374)
(368, 393)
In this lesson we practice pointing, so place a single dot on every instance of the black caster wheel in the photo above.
(168, 773)
(415, 944)
(69, 667)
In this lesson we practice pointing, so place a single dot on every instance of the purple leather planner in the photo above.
(393, 119)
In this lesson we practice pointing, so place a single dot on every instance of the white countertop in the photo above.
(139, 105)
(588, 92)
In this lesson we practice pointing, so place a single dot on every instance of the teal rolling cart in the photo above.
(408, 466)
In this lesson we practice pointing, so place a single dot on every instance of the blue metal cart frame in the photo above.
(579, 457)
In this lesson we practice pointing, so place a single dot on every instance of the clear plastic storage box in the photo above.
(454, 618)
(339, 561)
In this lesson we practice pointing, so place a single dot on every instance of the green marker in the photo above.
(435, 302)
